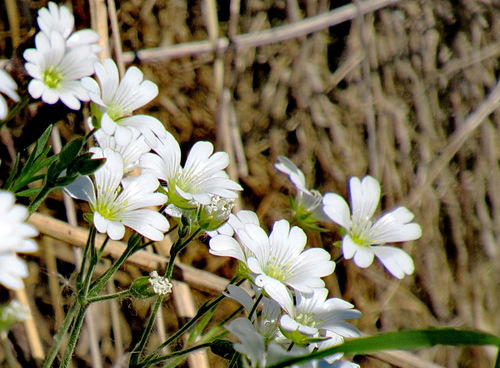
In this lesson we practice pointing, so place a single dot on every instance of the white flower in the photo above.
(57, 71)
(235, 222)
(60, 19)
(279, 260)
(226, 246)
(118, 202)
(7, 86)
(118, 99)
(253, 345)
(201, 178)
(316, 316)
(15, 234)
(307, 205)
(364, 236)
(14, 231)
(13, 269)
(132, 151)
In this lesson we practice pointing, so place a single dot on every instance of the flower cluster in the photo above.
(16, 237)
(297, 317)
(61, 58)
(282, 270)
(199, 191)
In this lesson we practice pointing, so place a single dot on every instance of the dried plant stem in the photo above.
(117, 41)
(277, 34)
(7, 350)
(186, 310)
(31, 328)
(427, 175)
(13, 16)
(77, 236)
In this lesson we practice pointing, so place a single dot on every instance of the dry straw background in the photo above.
(406, 91)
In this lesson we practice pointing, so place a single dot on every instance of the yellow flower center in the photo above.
(52, 77)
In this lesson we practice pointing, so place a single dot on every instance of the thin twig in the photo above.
(265, 37)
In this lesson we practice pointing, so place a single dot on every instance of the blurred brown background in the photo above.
(399, 91)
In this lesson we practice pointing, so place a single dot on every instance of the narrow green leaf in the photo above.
(13, 172)
(70, 151)
(403, 340)
(200, 326)
(28, 192)
(42, 141)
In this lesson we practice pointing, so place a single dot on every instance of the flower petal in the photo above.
(396, 260)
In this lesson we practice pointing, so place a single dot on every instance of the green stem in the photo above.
(207, 306)
(136, 353)
(99, 254)
(172, 355)
(100, 298)
(254, 307)
(176, 248)
(86, 251)
(73, 338)
(97, 285)
(90, 248)
(39, 198)
(339, 258)
(174, 251)
(234, 360)
(51, 356)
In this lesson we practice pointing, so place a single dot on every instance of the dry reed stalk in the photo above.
(117, 41)
(368, 96)
(77, 236)
(35, 343)
(99, 23)
(54, 283)
(427, 175)
(186, 309)
(14, 24)
(265, 37)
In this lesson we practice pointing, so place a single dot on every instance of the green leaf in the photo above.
(403, 340)
(70, 151)
(28, 192)
(42, 141)
(200, 326)
(85, 165)
(222, 348)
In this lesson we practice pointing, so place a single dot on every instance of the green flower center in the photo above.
(116, 111)
(108, 206)
(52, 77)
(360, 233)
(307, 319)
(278, 272)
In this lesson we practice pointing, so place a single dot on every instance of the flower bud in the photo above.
(148, 286)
